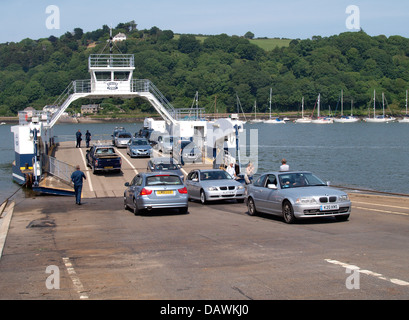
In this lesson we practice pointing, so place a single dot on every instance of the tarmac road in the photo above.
(101, 251)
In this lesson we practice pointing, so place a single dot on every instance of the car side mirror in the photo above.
(126, 184)
(272, 186)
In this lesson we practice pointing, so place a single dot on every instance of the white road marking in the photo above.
(380, 205)
(75, 279)
(129, 162)
(368, 272)
(91, 188)
(383, 211)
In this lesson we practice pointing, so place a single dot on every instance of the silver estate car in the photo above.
(155, 190)
(295, 195)
(213, 184)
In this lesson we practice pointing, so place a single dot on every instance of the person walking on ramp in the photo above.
(77, 177)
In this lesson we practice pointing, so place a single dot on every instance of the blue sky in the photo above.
(265, 18)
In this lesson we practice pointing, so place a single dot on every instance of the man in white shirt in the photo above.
(230, 170)
(284, 166)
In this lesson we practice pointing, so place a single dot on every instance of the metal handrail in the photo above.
(58, 168)
(144, 85)
(111, 60)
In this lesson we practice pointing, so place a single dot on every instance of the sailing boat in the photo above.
(255, 120)
(239, 107)
(405, 119)
(321, 120)
(382, 118)
(270, 120)
(303, 119)
(346, 119)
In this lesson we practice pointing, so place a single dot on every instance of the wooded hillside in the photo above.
(220, 68)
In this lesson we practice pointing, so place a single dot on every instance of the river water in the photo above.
(358, 155)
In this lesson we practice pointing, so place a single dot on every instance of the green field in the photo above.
(270, 44)
(265, 43)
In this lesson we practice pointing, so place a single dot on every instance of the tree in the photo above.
(249, 35)
(188, 44)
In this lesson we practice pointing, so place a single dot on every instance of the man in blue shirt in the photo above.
(76, 178)
(78, 136)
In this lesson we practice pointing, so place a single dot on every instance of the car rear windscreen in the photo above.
(161, 180)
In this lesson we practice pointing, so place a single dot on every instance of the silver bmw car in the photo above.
(296, 194)
(155, 190)
(213, 184)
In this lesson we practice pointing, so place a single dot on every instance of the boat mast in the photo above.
(342, 102)
(374, 97)
(319, 99)
(302, 107)
(271, 90)
(383, 104)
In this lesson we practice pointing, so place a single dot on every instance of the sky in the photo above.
(294, 19)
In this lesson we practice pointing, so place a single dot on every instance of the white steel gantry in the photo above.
(112, 76)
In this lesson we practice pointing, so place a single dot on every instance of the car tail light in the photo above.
(145, 192)
(182, 190)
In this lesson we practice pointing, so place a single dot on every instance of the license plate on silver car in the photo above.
(327, 207)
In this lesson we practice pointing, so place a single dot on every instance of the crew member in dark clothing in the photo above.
(77, 177)
(79, 138)
(87, 138)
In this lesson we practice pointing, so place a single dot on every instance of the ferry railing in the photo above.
(58, 168)
(111, 60)
(189, 114)
(95, 138)
(77, 86)
(148, 86)
(25, 117)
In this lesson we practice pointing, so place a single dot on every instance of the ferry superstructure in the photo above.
(112, 76)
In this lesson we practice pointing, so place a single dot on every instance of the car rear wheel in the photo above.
(183, 210)
(288, 212)
(251, 206)
(135, 207)
(202, 197)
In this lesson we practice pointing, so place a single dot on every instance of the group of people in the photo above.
(78, 137)
(234, 170)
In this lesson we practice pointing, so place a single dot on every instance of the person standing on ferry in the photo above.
(284, 166)
(78, 136)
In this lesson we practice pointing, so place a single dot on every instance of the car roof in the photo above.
(207, 170)
(162, 160)
(284, 172)
(102, 146)
(159, 173)
(139, 138)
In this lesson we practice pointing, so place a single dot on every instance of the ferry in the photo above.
(111, 75)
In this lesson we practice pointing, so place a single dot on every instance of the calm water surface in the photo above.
(360, 155)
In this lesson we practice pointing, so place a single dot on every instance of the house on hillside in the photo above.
(119, 37)
(90, 108)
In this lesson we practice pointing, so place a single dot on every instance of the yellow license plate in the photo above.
(164, 192)
(108, 167)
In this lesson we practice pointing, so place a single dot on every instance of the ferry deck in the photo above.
(103, 185)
